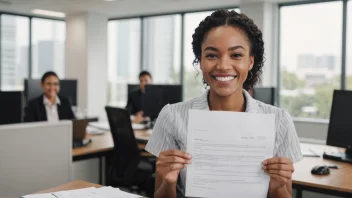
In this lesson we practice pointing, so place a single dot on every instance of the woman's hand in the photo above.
(170, 163)
(280, 171)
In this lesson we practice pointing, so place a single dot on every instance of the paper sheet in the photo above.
(110, 192)
(104, 192)
(100, 125)
(45, 195)
(227, 151)
(79, 193)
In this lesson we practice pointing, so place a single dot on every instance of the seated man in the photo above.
(135, 99)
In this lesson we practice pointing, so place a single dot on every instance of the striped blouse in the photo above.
(170, 130)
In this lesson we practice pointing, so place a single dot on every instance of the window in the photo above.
(14, 51)
(159, 52)
(161, 48)
(48, 47)
(349, 47)
(124, 44)
(310, 58)
(193, 78)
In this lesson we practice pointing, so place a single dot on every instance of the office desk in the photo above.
(338, 182)
(103, 145)
(77, 184)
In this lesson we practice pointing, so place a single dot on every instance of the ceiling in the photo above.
(119, 8)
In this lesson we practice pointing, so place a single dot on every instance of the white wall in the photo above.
(97, 30)
(76, 60)
(86, 60)
(265, 15)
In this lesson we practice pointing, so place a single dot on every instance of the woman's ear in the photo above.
(251, 63)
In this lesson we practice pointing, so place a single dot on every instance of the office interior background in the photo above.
(105, 44)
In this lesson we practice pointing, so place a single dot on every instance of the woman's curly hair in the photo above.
(237, 20)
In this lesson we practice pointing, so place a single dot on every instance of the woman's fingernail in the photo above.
(264, 163)
(189, 162)
(264, 167)
(189, 156)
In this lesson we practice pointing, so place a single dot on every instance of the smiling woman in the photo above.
(245, 36)
(229, 49)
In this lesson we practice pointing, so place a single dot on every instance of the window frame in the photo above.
(343, 46)
(30, 17)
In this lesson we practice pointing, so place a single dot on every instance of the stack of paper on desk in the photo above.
(227, 150)
(100, 125)
(104, 192)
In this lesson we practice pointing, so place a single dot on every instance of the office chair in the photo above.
(128, 168)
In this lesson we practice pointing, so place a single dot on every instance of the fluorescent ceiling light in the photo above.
(49, 13)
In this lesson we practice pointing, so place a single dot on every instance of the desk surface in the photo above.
(104, 143)
(77, 184)
(337, 180)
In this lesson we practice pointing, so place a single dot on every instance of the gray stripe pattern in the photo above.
(170, 130)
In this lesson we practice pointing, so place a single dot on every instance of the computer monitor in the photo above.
(131, 88)
(32, 89)
(340, 125)
(68, 88)
(265, 94)
(11, 107)
(157, 96)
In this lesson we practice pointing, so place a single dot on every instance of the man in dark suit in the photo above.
(49, 106)
(135, 99)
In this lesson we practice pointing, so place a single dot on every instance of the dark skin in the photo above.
(225, 63)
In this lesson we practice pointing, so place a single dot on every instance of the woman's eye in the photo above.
(210, 56)
(236, 55)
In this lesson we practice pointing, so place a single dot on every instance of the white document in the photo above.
(110, 192)
(79, 193)
(100, 125)
(45, 195)
(104, 192)
(94, 131)
(227, 150)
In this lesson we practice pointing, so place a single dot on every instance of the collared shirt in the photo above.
(170, 130)
(52, 113)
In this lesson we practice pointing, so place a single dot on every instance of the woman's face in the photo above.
(51, 86)
(225, 60)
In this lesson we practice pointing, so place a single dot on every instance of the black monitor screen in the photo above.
(11, 107)
(32, 89)
(68, 89)
(340, 125)
(131, 88)
(265, 94)
(157, 96)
